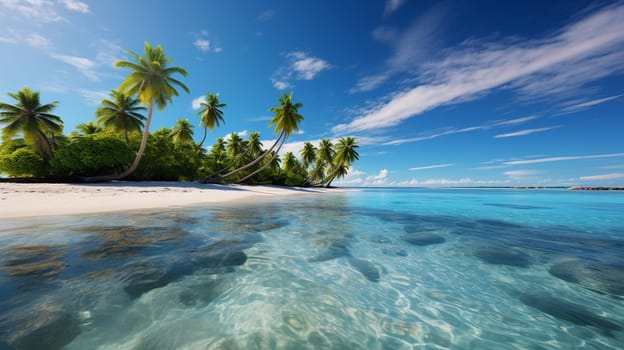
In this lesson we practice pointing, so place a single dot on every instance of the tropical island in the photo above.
(119, 145)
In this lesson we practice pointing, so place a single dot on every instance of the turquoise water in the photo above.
(368, 269)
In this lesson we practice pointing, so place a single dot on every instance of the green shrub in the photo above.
(22, 162)
(92, 155)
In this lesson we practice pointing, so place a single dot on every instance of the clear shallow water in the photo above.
(373, 269)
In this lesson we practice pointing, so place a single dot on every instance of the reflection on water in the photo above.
(367, 270)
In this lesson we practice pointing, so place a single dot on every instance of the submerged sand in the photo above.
(26, 200)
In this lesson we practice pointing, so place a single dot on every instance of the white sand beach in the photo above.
(19, 200)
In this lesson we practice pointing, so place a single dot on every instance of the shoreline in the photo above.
(23, 200)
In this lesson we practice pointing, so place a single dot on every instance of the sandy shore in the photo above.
(26, 200)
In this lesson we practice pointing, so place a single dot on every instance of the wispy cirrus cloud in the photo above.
(587, 104)
(611, 176)
(93, 97)
(431, 167)
(524, 132)
(83, 64)
(301, 66)
(560, 159)
(38, 41)
(40, 11)
(452, 131)
(588, 49)
(410, 47)
(392, 5)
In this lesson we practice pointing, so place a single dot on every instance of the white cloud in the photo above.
(42, 11)
(559, 159)
(7, 40)
(202, 44)
(37, 41)
(525, 132)
(265, 16)
(197, 102)
(603, 177)
(75, 5)
(591, 103)
(280, 85)
(307, 67)
(431, 167)
(468, 73)
(241, 133)
(392, 5)
(301, 66)
(84, 65)
(359, 178)
(520, 173)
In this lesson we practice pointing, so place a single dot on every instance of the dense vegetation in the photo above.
(119, 145)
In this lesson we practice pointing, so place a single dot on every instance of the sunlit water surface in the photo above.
(368, 269)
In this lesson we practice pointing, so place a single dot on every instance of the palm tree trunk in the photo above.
(264, 166)
(331, 177)
(138, 157)
(257, 160)
(203, 138)
(308, 180)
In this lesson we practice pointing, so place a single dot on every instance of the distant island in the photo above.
(596, 188)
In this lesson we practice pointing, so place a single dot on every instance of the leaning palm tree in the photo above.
(88, 128)
(324, 157)
(308, 154)
(290, 162)
(210, 114)
(152, 82)
(32, 119)
(182, 132)
(346, 153)
(286, 121)
(122, 113)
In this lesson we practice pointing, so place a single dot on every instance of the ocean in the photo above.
(365, 269)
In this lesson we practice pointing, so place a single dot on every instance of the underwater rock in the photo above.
(366, 268)
(394, 251)
(128, 241)
(336, 249)
(220, 254)
(40, 262)
(140, 278)
(595, 276)
(201, 293)
(423, 239)
(503, 256)
(46, 326)
(567, 311)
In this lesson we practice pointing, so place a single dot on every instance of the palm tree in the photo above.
(121, 114)
(210, 114)
(346, 153)
(290, 162)
(324, 157)
(286, 121)
(152, 82)
(308, 154)
(88, 128)
(254, 145)
(182, 132)
(32, 119)
(217, 152)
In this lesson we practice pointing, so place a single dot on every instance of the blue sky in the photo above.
(454, 93)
